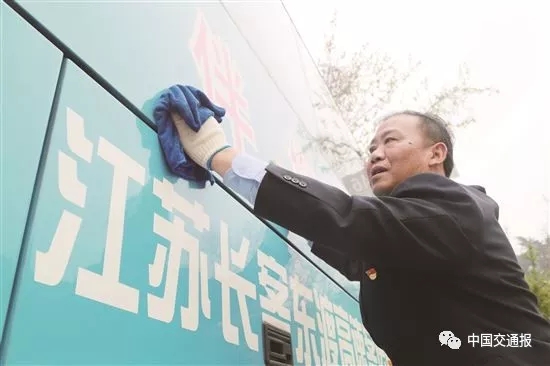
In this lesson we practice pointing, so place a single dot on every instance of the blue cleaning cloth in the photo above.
(195, 108)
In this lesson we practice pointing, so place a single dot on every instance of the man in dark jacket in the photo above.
(440, 283)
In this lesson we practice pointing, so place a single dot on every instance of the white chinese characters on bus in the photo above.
(342, 339)
(274, 281)
(306, 343)
(105, 287)
(167, 261)
(327, 329)
(358, 339)
(343, 332)
(50, 266)
(222, 81)
(228, 280)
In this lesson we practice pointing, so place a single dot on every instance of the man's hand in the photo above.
(201, 146)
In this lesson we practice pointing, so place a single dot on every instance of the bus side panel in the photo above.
(30, 68)
(126, 264)
(142, 48)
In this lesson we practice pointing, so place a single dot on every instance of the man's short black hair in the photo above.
(436, 130)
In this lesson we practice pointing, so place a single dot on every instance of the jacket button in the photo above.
(302, 184)
(295, 180)
(371, 273)
(287, 177)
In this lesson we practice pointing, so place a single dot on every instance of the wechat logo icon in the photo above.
(448, 338)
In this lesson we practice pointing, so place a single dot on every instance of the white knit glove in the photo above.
(201, 146)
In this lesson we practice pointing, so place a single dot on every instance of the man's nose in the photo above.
(376, 155)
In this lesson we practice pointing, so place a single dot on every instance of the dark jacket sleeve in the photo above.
(428, 222)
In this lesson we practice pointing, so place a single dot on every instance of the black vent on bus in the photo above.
(277, 346)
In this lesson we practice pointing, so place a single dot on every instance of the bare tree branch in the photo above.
(362, 86)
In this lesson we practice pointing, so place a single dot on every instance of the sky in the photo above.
(505, 45)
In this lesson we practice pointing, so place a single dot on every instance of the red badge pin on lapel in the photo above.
(371, 272)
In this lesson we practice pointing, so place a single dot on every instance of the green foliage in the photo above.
(536, 264)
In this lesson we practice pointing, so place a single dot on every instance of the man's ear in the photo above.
(438, 153)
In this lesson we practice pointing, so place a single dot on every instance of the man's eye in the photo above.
(389, 139)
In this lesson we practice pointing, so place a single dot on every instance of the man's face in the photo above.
(398, 151)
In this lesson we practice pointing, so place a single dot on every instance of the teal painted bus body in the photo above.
(107, 257)
(30, 68)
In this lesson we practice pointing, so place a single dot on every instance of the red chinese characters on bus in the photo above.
(222, 81)
(298, 158)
